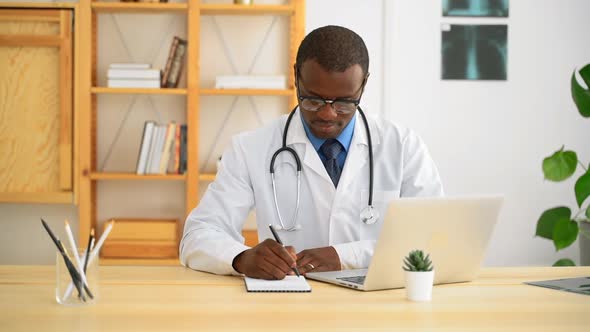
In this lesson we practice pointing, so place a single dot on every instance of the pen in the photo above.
(76, 279)
(88, 248)
(274, 233)
(74, 248)
(73, 273)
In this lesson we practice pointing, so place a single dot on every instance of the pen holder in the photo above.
(68, 284)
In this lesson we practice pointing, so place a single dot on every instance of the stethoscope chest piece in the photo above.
(369, 215)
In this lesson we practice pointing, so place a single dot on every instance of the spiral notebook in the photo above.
(289, 284)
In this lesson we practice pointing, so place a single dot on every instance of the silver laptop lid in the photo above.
(455, 231)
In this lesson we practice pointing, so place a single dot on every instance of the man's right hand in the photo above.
(268, 260)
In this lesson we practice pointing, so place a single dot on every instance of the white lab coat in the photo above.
(328, 216)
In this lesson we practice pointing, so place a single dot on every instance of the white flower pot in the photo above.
(419, 285)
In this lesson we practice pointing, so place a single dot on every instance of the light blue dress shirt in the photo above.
(344, 138)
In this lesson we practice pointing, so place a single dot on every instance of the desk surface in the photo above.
(176, 298)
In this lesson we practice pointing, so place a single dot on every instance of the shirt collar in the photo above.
(344, 138)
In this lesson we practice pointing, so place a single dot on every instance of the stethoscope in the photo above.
(369, 215)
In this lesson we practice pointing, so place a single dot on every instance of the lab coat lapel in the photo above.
(297, 139)
(358, 154)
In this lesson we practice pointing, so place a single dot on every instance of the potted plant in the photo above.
(419, 276)
(558, 224)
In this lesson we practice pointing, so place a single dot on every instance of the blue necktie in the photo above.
(331, 149)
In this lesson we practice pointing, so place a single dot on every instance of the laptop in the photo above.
(454, 231)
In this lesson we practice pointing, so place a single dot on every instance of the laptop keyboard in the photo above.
(355, 280)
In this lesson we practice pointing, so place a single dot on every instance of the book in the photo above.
(176, 165)
(158, 148)
(130, 65)
(148, 130)
(152, 148)
(114, 73)
(133, 83)
(169, 140)
(289, 284)
(177, 64)
(166, 72)
(183, 151)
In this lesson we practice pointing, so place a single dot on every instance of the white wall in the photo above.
(486, 137)
(367, 21)
(490, 137)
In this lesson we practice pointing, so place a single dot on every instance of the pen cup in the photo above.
(66, 291)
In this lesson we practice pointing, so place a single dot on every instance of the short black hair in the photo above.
(335, 48)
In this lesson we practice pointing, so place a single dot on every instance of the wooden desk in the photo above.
(175, 298)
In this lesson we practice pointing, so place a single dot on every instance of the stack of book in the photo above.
(133, 75)
(163, 149)
(251, 82)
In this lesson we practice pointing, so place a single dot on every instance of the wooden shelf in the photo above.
(230, 9)
(152, 91)
(247, 92)
(206, 177)
(191, 11)
(138, 7)
(133, 176)
(139, 261)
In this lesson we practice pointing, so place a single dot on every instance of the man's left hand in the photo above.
(318, 260)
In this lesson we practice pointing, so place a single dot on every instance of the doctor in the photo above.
(322, 218)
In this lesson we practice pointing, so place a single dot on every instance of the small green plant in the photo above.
(416, 262)
(557, 224)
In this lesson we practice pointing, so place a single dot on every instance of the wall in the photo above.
(490, 137)
(487, 137)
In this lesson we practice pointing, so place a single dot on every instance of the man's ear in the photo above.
(366, 79)
(296, 74)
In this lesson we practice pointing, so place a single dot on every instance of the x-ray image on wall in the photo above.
(478, 8)
(474, 52)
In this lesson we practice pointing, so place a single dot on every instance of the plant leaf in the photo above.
(547, 221)
(582, 188)
(588, 212)
(580, 95)
(560, 165)
(564, 262)
(565, 233)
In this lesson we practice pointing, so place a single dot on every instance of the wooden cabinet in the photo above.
(36, 104)
(90, 175)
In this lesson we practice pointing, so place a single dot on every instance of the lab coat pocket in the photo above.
(381, 198)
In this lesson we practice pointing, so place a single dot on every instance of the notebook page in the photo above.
(289, 284)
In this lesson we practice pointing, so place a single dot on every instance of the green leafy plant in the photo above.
(558, 224)
(416, 262)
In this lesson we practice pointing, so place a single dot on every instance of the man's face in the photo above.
(315, 81)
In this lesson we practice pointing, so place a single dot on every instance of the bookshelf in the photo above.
(193, 10)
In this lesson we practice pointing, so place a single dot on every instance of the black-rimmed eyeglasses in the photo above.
(340, 105)
(314, 104)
